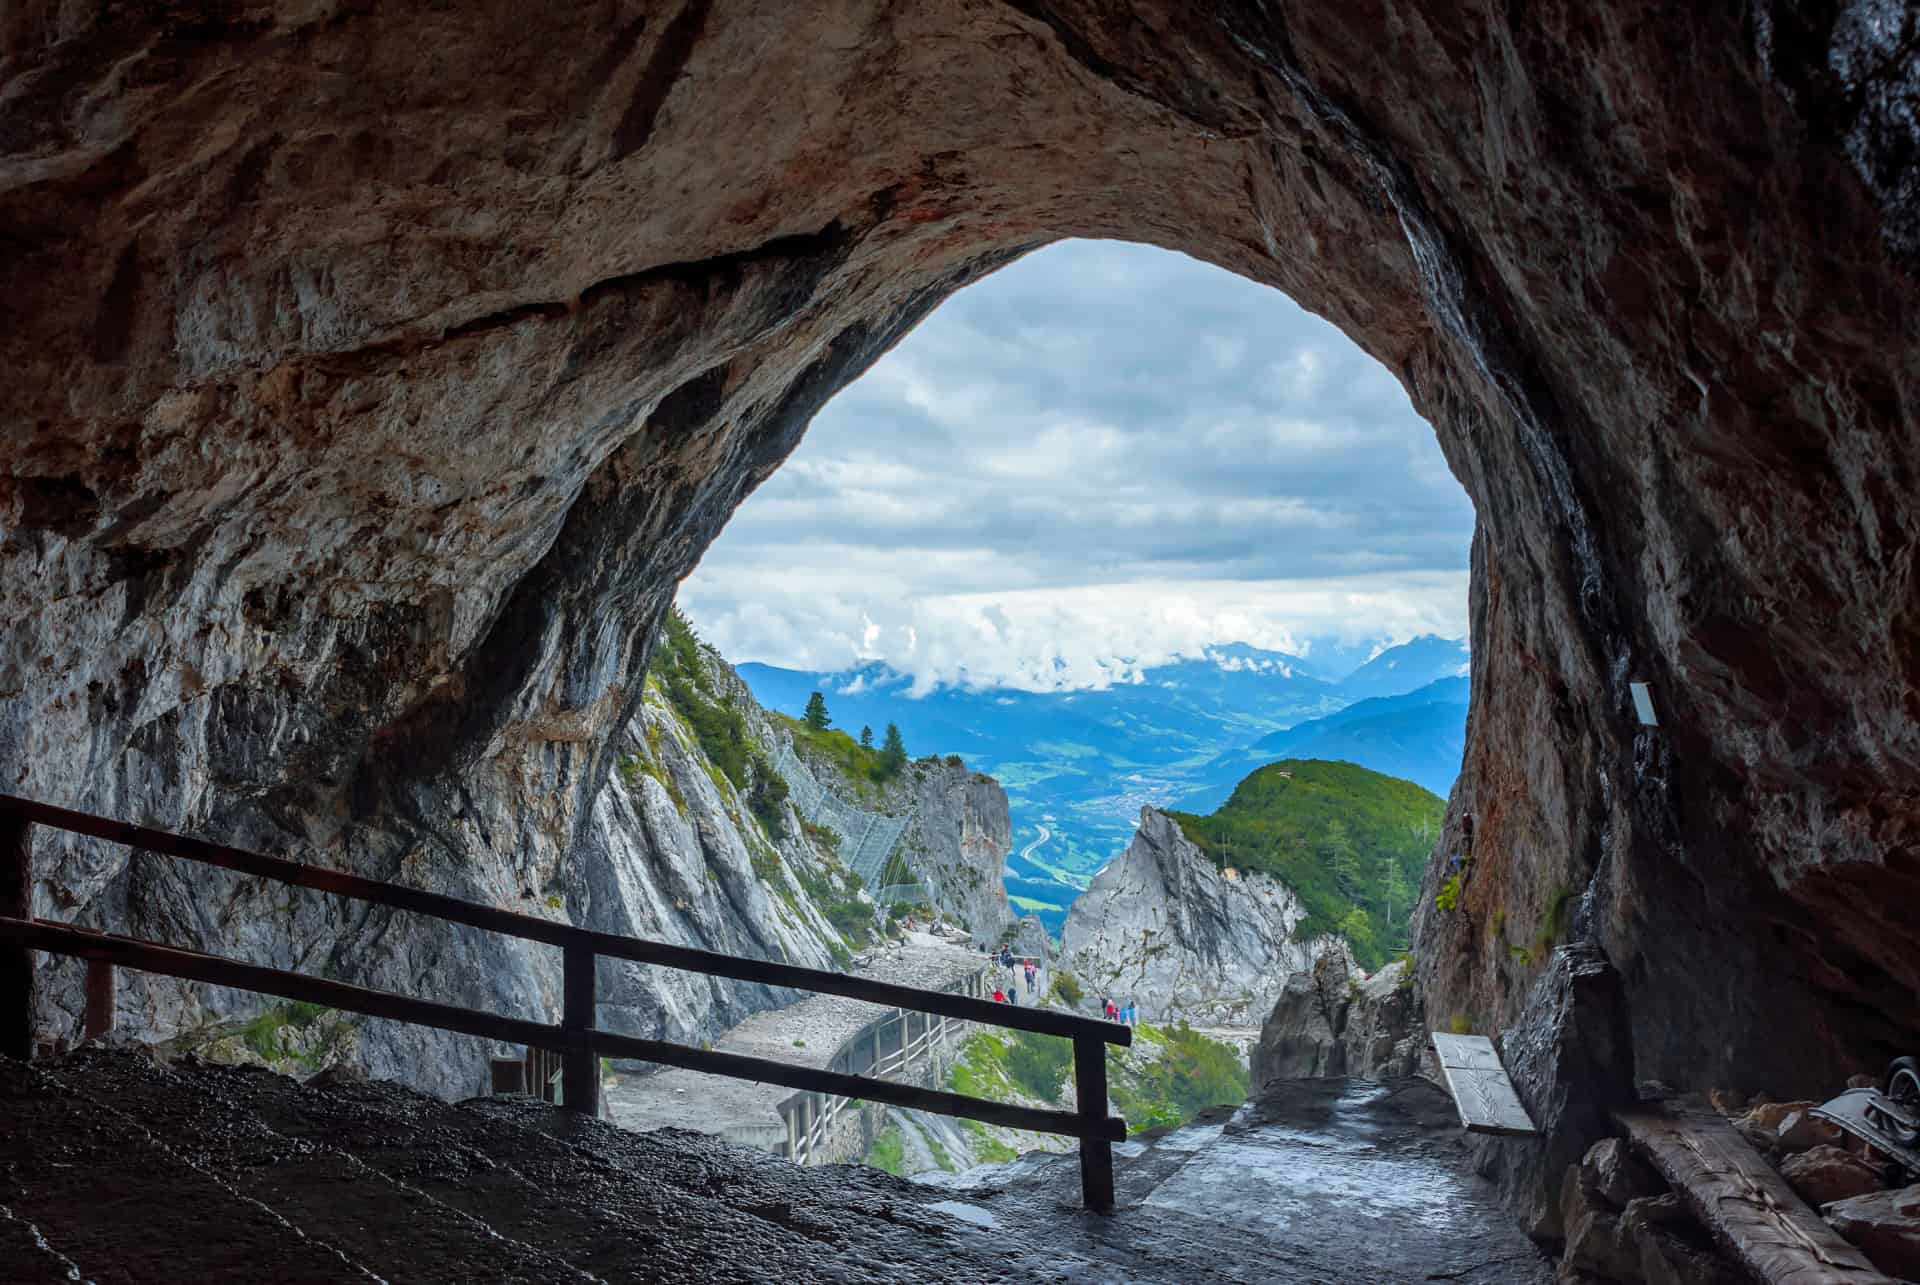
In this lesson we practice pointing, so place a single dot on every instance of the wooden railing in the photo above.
(575, 1038)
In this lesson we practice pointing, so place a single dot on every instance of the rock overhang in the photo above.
(377, 375)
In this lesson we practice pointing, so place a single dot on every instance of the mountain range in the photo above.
(1078, 765)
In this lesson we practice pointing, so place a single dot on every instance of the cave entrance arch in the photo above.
(1089, 484)
(375, 377)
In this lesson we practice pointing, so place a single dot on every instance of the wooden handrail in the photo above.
(532, 928)
(172, 961)
(576, 1038)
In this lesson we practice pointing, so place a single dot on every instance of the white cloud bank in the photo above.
(1100, 458)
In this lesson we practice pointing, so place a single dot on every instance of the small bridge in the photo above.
(575, 1038)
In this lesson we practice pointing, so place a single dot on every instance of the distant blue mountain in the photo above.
(1406, 667)
(1418, 736)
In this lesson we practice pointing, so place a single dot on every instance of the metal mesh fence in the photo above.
(867, 839)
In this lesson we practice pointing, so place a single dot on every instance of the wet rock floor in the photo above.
(113, 1168)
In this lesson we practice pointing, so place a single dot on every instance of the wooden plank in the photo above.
(1482, 1091)
(532, 928)
(1738, 1197)
(16, 962)
(174, 962)
(1096, 1154)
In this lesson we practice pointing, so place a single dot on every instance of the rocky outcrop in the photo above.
(1886, 1227)
(1623, 1225)
(1163, 928)
(957, 842)
(373, 377)
(1571, 1062)
(1333, 1020)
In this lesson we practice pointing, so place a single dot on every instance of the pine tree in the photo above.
(893, 751)
(866, 738)
(1395, 884)
(816, 715)
(1342, 859)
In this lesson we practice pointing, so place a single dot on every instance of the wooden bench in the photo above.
(1738, 1197)
(1481, 1090)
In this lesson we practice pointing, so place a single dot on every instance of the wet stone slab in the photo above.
(134, 1171)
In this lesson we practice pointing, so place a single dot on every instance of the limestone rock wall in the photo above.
(957, 837)
(1164, 929)
(374, 374)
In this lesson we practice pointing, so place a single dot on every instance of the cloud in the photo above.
(1098, 454)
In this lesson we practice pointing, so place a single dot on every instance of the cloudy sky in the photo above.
(1103, 452)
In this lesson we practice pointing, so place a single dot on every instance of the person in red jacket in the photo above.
(999, 996)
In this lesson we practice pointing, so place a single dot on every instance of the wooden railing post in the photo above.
(579, 1068)
(1090, 1091)
(16, 962)
(100, 1000)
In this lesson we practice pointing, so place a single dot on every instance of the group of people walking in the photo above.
(1020, 969)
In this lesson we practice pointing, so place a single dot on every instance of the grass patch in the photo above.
(863, 766)
(889, 1151)
(981, 1069)
(987, 1149)
(266, 1035)
(1038, 1064)
(1191, 1074)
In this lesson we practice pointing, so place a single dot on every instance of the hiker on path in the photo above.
(999, 996)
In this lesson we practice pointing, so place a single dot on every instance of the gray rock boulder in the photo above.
(1883, 1225)
(1162, 927)
(1335, 1020)
(1571, 1060)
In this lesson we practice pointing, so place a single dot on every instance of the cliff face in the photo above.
(959, 840)
(676, 856)
(1161, 927)
(669, 852)
(956, 839)
(374, 374)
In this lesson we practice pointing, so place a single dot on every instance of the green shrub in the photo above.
(1066, 988)
(1038, 1064)
(1448, 898)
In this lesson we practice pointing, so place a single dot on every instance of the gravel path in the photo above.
(808, 1033)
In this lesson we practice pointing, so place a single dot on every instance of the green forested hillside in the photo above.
(1352, 843)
